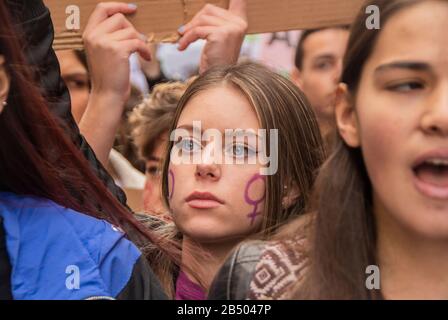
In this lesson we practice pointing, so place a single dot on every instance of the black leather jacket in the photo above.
(233, 279)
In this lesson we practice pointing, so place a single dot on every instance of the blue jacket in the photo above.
(57, 253)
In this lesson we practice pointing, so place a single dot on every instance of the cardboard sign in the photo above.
(160, 19)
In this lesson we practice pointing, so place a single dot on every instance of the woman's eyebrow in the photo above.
(188, 127)
(234, 132)
(245, 133)
(408, 65)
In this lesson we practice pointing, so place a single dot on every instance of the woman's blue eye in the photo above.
(189, 145)
(240, 151)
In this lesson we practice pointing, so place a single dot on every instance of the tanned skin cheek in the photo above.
(253, 202)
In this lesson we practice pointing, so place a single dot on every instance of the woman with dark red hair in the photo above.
(54, 250)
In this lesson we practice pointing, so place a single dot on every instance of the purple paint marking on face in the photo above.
(170, 195)
(252, 202)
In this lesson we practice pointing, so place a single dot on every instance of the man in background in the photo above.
(318, 67)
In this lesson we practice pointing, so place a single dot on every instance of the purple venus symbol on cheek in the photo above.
(171, 192)
(253, 202)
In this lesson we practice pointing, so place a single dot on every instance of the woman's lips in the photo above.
(431, 190)
(203, 200)
(203, 204)
(431, 174)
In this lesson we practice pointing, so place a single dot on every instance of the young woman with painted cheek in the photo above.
(213, 202)
(388, 175)
(216, 202)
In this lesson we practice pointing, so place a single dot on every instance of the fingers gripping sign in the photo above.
(223, 30)
(109, 40)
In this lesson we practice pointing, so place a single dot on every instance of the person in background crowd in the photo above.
(74, 72)
(124, 143)
(318, 66)
(152, 69)
(123, 163)
(151, 121)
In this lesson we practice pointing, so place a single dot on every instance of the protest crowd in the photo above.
(200, 170)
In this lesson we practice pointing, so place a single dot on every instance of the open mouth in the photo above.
(432, 177)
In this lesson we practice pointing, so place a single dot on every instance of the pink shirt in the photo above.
(187, 289)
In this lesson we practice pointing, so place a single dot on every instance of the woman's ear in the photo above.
(4, 83)
(291, 194)
(296, 77)
(346, 118)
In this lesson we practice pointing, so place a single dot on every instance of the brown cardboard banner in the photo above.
(160, 19)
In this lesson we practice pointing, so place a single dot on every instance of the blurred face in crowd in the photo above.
(400, 122)
(4, 83)
(152, 196)
(323, 53)
(76, 77)
(215, 201)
